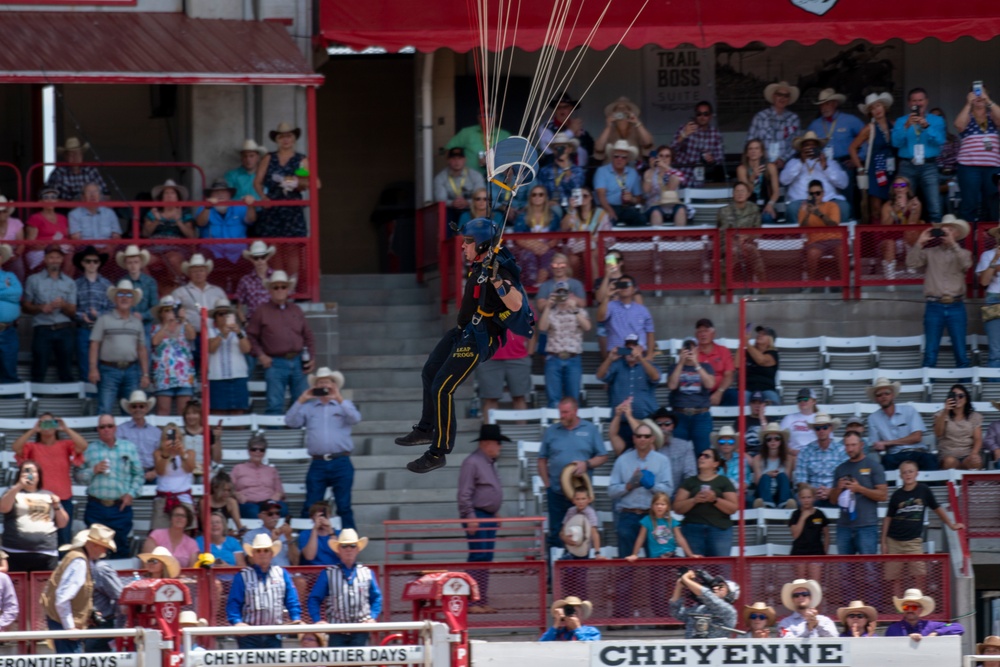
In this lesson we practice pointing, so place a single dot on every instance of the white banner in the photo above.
(360, 655)
(70, 660)
(674, 81)
(823, 653)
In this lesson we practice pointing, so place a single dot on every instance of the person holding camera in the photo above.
(860, 487)
(314, 543)
(622, 127)
(959, 431)
(691, 383)
(818, 213)
(174, 475)
(327, 417)
(945, 263)
(568, 615)
(919, 136)
(172, 356)
(810, 165)
(714, 616)
(630, 376)
(31, 518)
(564, 321)
(978, 154)
(228, 371)
(621, 316)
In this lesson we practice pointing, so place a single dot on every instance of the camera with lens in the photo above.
(622, 284)
(703, 577)
(937, 233)
(561, 295)
(569, 610)
(619, 115)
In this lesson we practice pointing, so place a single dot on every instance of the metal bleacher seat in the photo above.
(789, 383)
(520, 424)
(706, 202)
(849, 353)
(849, 386)
(15, 400)
(987, 383)
(67, 399)
(899, 351)
(946, 355)
(940, 380)
(801, 354)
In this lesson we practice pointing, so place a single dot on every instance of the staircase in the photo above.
(387, 326)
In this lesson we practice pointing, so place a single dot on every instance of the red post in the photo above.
(741, 422)
(312, 247)
(206, 467)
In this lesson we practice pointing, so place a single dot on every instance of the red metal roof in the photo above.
(393, 25)
(136, 47)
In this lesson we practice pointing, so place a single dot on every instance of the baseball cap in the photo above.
(805, 394)
(269, 505)
(562, 285)
(757, 396)
(860, 421)
(768, 330)
(704, 322)
(631, 338)
(456, 152)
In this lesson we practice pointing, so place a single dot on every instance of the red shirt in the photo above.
(54, 461)
(720, 359)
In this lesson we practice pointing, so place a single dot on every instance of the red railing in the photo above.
(666, 260)
(431, 230)
(963, 535)
(520, 538)
(180, 166)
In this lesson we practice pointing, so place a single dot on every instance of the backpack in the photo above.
(521, 322)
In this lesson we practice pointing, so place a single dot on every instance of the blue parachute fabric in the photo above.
(514, 162)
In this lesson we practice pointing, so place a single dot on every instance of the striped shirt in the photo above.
(125, 475)
(980, 147)
(40, 289)
(119, 338)
(352, 595)
(227, 362)
(261, 598)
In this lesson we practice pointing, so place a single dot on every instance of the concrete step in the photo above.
(388, 314)
(398, 427)
(367, 362)
(390, 409)
(361, 281)
(406, 454)
(385, 444)
(391, 330)
(408, 378)
(383, 297)
(418, 343)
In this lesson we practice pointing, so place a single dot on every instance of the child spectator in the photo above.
(810, 531)
(658, 533)
(581, 506)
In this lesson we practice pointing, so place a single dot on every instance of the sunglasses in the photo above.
(103, 427)
(152, 561)
(883, 394)
(91, 261)
(782, 94)
(856, 616)
(479, 199)
(957, 395)
(274, 513)
(278, 288)
(135, 406)
(802, 594)
(703, 113)
(727, 442)
(816, 193)
(619, 157)
(625, 285)
(124, 295)
(259, 258)
(773, 438)
(912, 607)
(705, 455)
(665, 424)
(822, 427)
(348, 546)
(257, 449)
(537, 194)
(900, 185)
(758, 617)
(642, 435)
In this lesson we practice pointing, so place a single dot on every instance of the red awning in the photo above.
(137, 47)
(392, 24)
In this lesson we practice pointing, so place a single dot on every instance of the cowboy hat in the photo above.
(282, 128)
(168, 301)
(772, 88)
(565, 98)
(278, 277)
(222, 304)
(657, 431)
(570, 483)
(992, 640)
(811, 585)
(622, 101)
(960, 227)
(324, 372)
(914, 595)
(759, 606)
(884, 98)
(347, 536)
(6, 252)
(124, 285)
(883, 383)
(857, 605)
(995, 231)
(171, 566)
(197, 260)
(622, 145)
(138, 396)
(132, 251)
(491, 432)
(829, 95)
(73, 144)
(258, 249)
(262, 541)
(578, 529)
(182, 192)
(823, 419)
(100, 535)
(251, 145)
(724, 432)
(808, 136)
(774, 428)
(4, 200)
(189, 618)
(218, 185)
(77, 542)
(669, 197)
(583, 607)
(102, 257)
(564, 138)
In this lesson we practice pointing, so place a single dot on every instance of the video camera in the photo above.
(703, 577)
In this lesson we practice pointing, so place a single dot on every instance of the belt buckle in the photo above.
(947, 300)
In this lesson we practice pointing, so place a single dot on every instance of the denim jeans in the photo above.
(774, 491)
(338, 473)
(558, 505)
(924, 460)
(992, 332)
(978, 192)
(258, 641)
(862, 540)
(627, 528)
(707, 540)
(925, 182)
(696, 428)
(116, 383)
(562, 378)
(251, 510)
(937, 317)
(83, 352)
(64, 645)
(283, 374)
(347, 639)
(66, 533)
(118, 520)
(10, 346)
(481, 545)
(46, 342)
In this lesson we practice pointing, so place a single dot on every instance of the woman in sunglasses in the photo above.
(959, 431)
(858, 620)
(707, 500)
(901, 208)
(255, 482)
(772, 470)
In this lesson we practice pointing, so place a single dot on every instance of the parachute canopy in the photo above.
(512, 163)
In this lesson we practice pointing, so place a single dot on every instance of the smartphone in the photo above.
(49, 424)
(914, 109)
(576, 198)
(320, 391)
(937, 233)
(624, 351)
(611, 260)
(172, 434)
(706, 487)
(230, 319)
(977, 88)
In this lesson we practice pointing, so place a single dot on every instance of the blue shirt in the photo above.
(237, 596)
(100, 224)
(840, 131)
(660, 539)
(92, 298)
(562, 446)
(150, 296)
(560, 182)
(639, 498)
(585, 633)
(933, 137)
(242, 180)
(10, 297)
(816, 466)
(282, 557)
(321, 590)
(328, 425)
(905, 420)
(225, 552)
(622, 320)
(614, 184)
(624, 380)
(230, 225)
(40, 288)
(324, 554)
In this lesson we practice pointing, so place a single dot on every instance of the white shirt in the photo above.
(984, 263)
(194, 298)
(798, 425)
(797, 174)
(795, 626)
(73, 579)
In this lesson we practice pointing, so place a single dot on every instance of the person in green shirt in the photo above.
(471, 140)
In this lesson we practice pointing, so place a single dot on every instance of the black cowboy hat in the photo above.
(491, 432)
(86, 252)
(565, 98)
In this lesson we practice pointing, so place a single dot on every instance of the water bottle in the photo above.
(136, 576)
(305, 356)
(474, 407)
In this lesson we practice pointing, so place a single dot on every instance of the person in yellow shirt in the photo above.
(817, 213)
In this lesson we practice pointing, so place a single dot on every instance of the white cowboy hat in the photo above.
(263, 541)
(622, 145)
(857, 605)
(578, 529)
(960, 227)
(622, 101)
(823, 419)
(759, 606)
(182, 192)
(100, 534)
(4, 200)
(884, 98)
(829, 95)
(774, 428)
(171, 566)
(77, 542)
(570, 483)
(724, 432)
(657, 432)
(284, 127)
(336, 376)
(808, 136)
(258, 248)
(188, 619)
(132, 251)
(811, 585)
(583, 607)
(73, 144)
(883, 383)
(221, 304)
(167, 301)
(564, 138)
(124, 285)
(251, 145)
(138, 396)
(347, 536)
(772, 88)
(197, 260)
(915, 595)
(279, 277)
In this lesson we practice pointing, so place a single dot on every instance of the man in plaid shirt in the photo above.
(70, 180)
(776, 126)
(116, 483)
(697, 146)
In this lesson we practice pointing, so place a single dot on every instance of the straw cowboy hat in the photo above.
(995, 231)
(578, 528)
(167, 301)
(669, 197)
(583, 607)
(347, 536)
(138, 396)
(772, 88)
(197, 260)
(73, 144)
(657, 432)
(251, 145)
(811, 585)
(182, 192)
(829, 95)
(78, 541)
(960, 227)
(263, 541)
(222, 305)
(564, 139)
(808, 136)
(774, 428)
(823, 419)
(623, 145)
(570, 483)
(132, 251)
(124, 285)
(632, 107)
(724, 432)
(282, 128)
(324, 372)
(759, 606)
(992, 640)
(857, 605)
(190, 619)
(171, 566)
(914, 595)
(99, 534)
(884, 98)
(6, 252)
(259, 249)
(883, 383)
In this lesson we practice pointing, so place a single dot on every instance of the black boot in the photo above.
(426, 463)
(416, 437)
